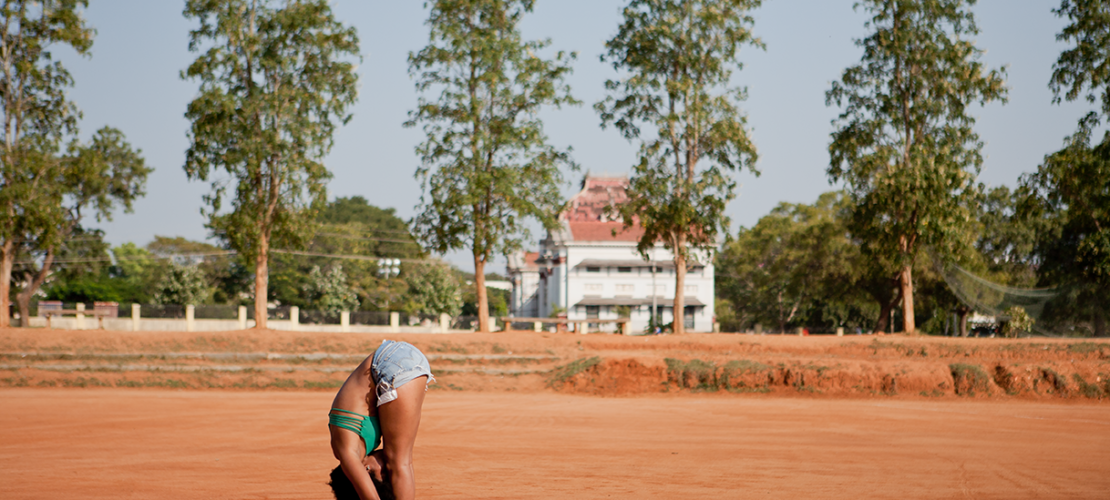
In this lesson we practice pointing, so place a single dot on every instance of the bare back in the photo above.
(357, 392)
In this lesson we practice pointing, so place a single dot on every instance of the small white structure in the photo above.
(589, 268)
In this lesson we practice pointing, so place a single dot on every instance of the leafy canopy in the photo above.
(677, 59)
(486, 164)
(905, 144)
(276, 79)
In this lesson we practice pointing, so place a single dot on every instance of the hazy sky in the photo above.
(131, 82)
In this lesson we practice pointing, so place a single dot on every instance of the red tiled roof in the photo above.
(589, 212)
(603, 231)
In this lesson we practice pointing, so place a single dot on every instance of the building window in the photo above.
(593, 269)
(624, 269)
(625, 288)
(593, 287)
(691, 289)
(592, 312)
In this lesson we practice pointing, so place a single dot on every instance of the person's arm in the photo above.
(349, 450)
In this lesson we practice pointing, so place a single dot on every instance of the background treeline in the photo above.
(179, 271)
(800, 267)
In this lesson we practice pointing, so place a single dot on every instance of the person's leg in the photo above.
(400, 420)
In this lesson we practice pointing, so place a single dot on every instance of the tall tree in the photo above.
(679, 56)
(276, 79)
(905, 143)
(36, 114)
(89, 178)
(486, 165)
(1068, 197)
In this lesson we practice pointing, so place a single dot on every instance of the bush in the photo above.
(969, 378)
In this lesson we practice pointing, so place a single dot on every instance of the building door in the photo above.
(688, 318)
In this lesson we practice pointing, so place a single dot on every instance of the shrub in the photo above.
(563, 373)
(968, 379)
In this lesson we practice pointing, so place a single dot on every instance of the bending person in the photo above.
(378, 402)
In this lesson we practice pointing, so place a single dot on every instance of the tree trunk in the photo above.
(884, 313)
(24, 297)
(963, 313)
(23, 302)
(261, 282)
(483, 300)
(7, 259)
(678, 320)
(908, 324)
(1099, 322)
(884, 319)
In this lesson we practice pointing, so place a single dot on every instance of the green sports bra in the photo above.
(364, 425)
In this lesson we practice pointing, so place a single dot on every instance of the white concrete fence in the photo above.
(82, 321)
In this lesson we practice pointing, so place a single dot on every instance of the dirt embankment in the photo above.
(605, 365)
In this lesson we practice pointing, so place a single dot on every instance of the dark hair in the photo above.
(342, 488)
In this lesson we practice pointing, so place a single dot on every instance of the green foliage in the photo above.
(432, 290)
(563, 373)
(1067, 200)
(969, 379)
(796, 267)
(43, 186)
(37, 115)
(1088, 390)
(678, 59)
(276, 79)
(692, 374)
(329, 291)
(496, 298)
(92, 178)
(486, 164)
(1019, 321)
(905, 143)
(1081, 70)
(182, 285)
(351, 227)
(1006, 241)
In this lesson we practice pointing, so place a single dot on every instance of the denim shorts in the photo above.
(396, 364)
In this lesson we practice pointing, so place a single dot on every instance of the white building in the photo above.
(589, 268)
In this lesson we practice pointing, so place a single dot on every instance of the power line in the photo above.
(138, 257)
(338, 256)
(349, 237)
(223, 253)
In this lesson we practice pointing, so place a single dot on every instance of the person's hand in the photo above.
(375, 464)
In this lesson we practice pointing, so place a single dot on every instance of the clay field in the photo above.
(98, 414)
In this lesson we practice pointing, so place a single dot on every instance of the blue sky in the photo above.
(131, 82)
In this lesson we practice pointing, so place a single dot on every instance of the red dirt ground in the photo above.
(121, 443)
(518, 415)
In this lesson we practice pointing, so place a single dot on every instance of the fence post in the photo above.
(345, 321)
(801, 331)
(136, 313)
(242, 317)
(394, 321)
(840, 331)
(80, 316)
(295, 318)
(758, 328)
(444, 322)
(492, 324)
(190, 311)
